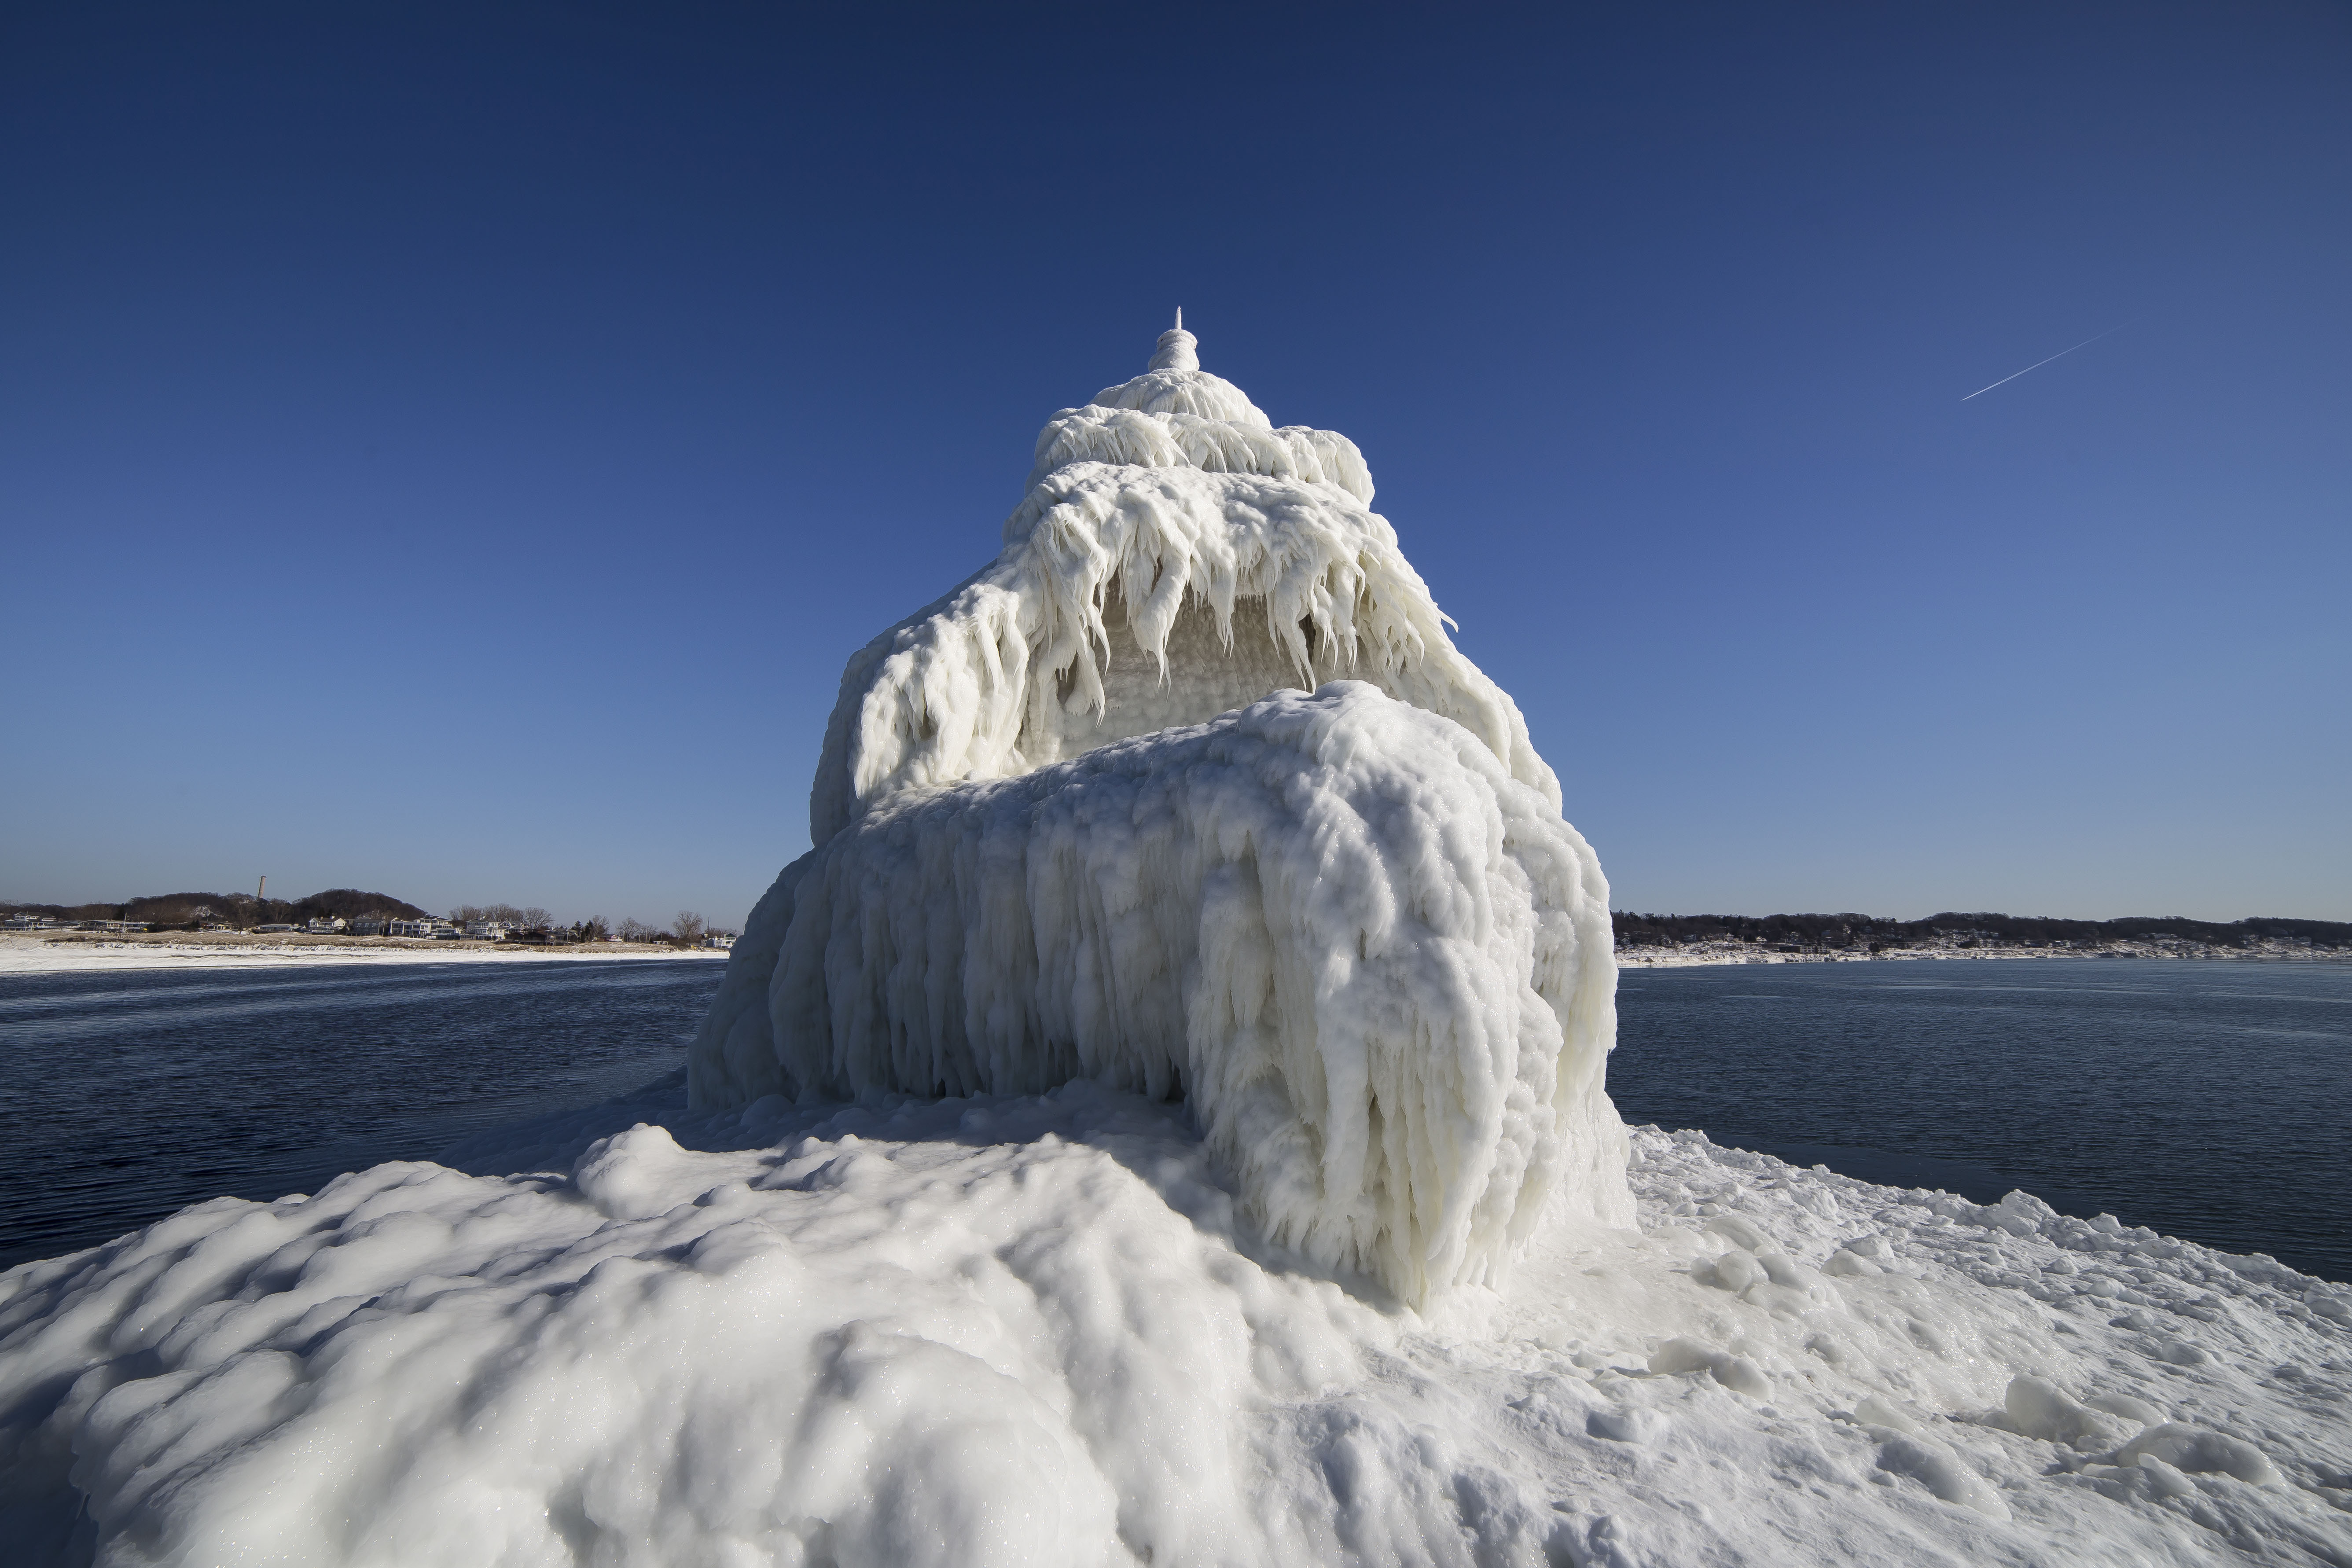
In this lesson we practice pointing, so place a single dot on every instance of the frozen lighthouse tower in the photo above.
(1189, 793)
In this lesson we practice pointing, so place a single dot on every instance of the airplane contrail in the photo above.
(2061, 353)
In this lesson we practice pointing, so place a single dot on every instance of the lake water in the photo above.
(2205, 1100)
(127, 1095)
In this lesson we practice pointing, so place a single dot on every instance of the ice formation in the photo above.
(1081, 820)
(1176, 557)
(1033, 1331)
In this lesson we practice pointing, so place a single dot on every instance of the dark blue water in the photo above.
(127, 1095)
(2205, 1100)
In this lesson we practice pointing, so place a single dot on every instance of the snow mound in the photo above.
(1036, 1331)
(1377, 967)
(1352, 929)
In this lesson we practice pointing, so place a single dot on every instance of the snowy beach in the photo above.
(1721, 952)
(52, 955)
(23, 955)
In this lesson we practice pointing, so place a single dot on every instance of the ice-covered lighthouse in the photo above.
(1188, 791)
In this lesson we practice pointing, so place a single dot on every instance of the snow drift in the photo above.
(1031, 1331)
(1080, 820)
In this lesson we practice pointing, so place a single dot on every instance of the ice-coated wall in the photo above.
(1082, 819)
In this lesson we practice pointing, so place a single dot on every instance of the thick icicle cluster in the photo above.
(1081, 820)
(1176, 557)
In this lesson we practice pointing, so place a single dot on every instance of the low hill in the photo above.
(350, 903)
(236, 909)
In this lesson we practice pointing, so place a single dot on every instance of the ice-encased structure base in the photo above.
(1079, 819)
(1377, 967)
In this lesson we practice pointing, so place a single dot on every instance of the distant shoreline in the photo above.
(1705, 954)
(235, 950)
(78, 951)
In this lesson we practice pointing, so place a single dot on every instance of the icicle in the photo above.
(1080, 819)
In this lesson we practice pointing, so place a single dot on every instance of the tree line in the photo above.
(1845, 932)
(190, 911)
(686, 929)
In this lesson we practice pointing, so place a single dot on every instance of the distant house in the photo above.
(373, 925)
(427, 927)
(493, 930)
(324, 925)
(720, 939)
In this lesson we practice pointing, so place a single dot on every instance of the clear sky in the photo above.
(453, 451)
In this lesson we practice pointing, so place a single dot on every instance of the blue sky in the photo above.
(453, 451)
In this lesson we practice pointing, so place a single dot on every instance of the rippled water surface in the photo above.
(127, 1095)
(2206, 1100)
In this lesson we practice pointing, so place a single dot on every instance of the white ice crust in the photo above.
(1081, 820)
(1035, 1331)
(1376, 965)
(1176, 557)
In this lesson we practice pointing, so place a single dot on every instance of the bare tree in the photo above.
(505, 914)
(537, 919)
(596, 928)
(636, 930)
(689, 927)
(463, 913)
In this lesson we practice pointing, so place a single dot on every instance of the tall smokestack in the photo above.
(263, 890)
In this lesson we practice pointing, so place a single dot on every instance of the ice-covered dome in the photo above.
(1175, 382)
(1176, 557)
(1188, 791)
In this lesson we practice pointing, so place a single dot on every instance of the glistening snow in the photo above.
(1034, 1330)
(1018, 1305)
